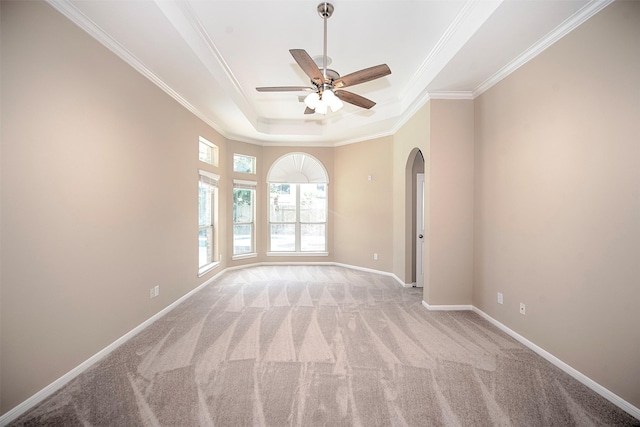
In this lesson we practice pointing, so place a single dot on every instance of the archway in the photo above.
(415, 207)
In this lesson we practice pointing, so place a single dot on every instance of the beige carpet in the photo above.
(321, 346)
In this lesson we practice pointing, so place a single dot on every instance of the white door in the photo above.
(420, 230)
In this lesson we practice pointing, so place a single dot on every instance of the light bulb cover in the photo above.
(330, 98)
(336, 104)
(312, 100)
(321, 107)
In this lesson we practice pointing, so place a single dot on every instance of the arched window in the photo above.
(297, 206)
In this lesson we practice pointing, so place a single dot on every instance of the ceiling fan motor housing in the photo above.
(331, 76)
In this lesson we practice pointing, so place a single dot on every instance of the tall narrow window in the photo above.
(298, 206)
(207, 215)
(244, 194)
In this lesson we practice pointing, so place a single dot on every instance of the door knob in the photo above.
(420, 236)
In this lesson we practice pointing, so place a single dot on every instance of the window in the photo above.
(298, 206)
(244, 164)
(208, 152)
(298, 217)
(207, 216)
(244, 194)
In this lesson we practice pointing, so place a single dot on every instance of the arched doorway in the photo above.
(416, 197)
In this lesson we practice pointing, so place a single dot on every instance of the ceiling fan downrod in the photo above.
(325, 10)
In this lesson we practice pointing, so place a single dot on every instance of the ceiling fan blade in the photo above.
(309, 111)
(362, 76)
(285, 89)
(354, 99)
(308, 65)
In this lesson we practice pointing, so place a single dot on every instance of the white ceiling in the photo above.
(211, 55)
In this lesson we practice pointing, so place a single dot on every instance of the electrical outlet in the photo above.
(500, 298)
(375, 257)
(156, 290)
(522, 308)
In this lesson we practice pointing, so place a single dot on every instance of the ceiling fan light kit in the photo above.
(327, 84)
(320, 101)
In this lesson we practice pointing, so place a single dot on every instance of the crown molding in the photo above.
(70, 11)
(570, 24)
(455, 95)
(67, 9)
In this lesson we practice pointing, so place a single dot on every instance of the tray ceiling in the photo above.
(211, 55)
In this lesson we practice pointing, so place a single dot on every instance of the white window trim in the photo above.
(241, 183)
(255, 163)
(298, 226)
(244, 256)
(247, 185)
(292, 254)
(297, 168)
(214, 151)
(210, 175)
(207, 268)
(215, 181)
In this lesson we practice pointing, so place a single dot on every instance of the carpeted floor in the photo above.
(321, 346)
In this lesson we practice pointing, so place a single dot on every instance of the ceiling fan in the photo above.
(326, 91)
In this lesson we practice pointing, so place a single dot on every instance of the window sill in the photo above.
(244, 256)
(207, 268)
(297, 253)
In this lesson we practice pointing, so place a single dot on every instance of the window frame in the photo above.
(213, 151)
(246, 156)
(246, 186)
(210, 180)
(298, 223)
(296, 169)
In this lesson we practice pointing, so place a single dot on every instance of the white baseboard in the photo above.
(446, 307)
(602, 391)
(370, 270)
(607, 394)
(66, 378)
(23, 407)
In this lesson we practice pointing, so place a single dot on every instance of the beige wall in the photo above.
(450, 187)
(443, 131)
(363, 218)
(412, 136)
(99, 173)
(99, 183)
(557, 209)
(99, 190)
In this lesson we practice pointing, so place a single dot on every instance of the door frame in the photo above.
(420, 230)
